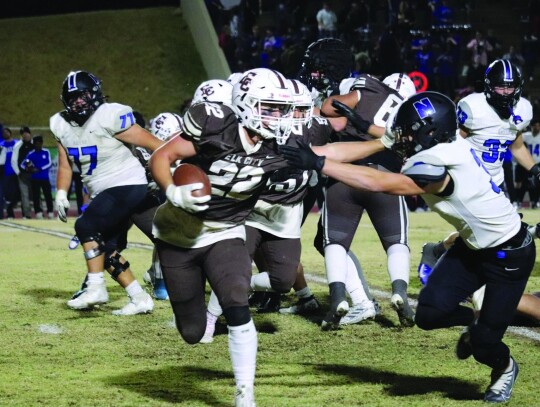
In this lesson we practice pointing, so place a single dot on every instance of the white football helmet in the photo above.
(262, 101)
(235, 77)
(302, 110)
(401, 83)
(164, 125)
(214, 90)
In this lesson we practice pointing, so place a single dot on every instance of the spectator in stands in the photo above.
(515, 57)
(38, 163)
(443, 14)
(327, 22)
(530, 50)
(20, 151)
(2, 169)
(354, 18)
(480, 47)
(11, 181)
(446, 72)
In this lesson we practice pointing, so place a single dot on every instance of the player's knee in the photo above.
(236, 316)
(283, 284)
(190, 327)
(114, 266)
(426, 317)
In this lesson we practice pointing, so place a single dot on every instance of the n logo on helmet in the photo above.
(424, 108)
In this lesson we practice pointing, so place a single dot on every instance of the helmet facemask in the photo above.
(81, 96)
(263, 103)
(502, 75)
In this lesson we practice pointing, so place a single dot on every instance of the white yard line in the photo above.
(521, 331)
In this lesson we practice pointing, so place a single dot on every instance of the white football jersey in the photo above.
(279, 220)
(104, 161)
(533, 144)
(477, 208)
(489, 134)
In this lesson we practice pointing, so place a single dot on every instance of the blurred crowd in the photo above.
(434, 37)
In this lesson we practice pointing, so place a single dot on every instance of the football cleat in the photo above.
(90, 296)
(304, 306)
(257, 298)
(502, 384)
(359, 312)
(271, 303)
(139, 304)
(244, 397)
(160, 291)
(464, 348)
(332, 319)
(149, 276)
(403, 309)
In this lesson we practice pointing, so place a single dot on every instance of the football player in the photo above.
(92, 134)
(326, 62)
(213, 90)
(492, 122)
(494, 247)
(372, 103)
(203, 238)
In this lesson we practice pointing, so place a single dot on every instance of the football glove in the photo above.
(62, 204)
(534, 175)
(302, 157)
(353, 117)
(182, 197)
(389, 138)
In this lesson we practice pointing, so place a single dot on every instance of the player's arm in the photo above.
(521, 153)
(350, 99)
(139, 137)
(177, 148)
(65, 171)
(346, 152)
(370, 179)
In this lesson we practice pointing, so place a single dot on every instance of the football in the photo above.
(186, 174)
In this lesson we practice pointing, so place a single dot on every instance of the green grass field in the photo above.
(53, 356)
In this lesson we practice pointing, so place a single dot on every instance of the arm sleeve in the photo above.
(424, 174)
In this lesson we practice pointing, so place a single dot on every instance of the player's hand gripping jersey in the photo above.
(104, 161)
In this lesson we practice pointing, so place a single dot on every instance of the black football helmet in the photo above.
(325, 64)
(423, 121)
(81, 85)
(501, 73)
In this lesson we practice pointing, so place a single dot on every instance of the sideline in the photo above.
(520, 331)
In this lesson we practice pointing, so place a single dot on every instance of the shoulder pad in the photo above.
(423, 174)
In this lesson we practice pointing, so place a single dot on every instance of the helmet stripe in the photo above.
(281, 80)
(507, 70)
(398, 85)
(72, 81)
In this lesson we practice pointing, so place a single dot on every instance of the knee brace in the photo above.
(113, 261)
(96, 251)
(236, 316)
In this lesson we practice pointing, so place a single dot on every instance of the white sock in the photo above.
(243, 351)
(261, 282)
(354, 287)
(211, 318)
(133, 289)
(398, 262)
(214, 307)
(335, 260)
(304, 293)
(96, 278)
